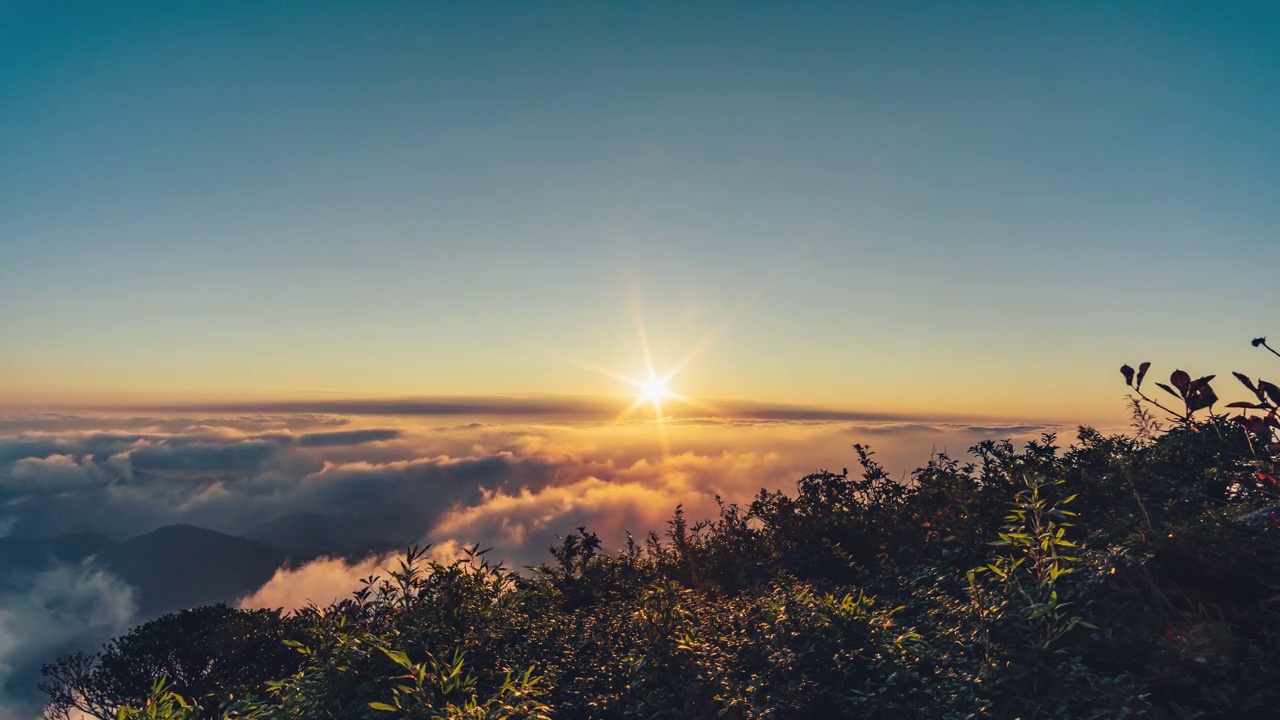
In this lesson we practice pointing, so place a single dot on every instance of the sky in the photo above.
(932, 209)
(389, 264)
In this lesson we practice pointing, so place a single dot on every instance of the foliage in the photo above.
(210, 654)
(1121, 577)
(162, 703)
(1035, 533)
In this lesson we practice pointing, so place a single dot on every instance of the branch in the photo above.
(1262, 342)
(1181, 417)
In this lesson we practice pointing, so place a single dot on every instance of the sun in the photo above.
(654, 390)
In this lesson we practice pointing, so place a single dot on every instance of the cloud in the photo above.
(389, 485)
(893, 428)
(320, 582)
(326, 580)
(1006, 430)
(798, 413)
(12, 424)
(59, 610)
(54, 473)
(521, 524)
(200, 456)
(347, 437)
(548, 408)
(505, 407)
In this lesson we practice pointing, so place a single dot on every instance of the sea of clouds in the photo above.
(445, 478)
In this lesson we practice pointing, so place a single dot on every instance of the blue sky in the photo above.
(899, 205)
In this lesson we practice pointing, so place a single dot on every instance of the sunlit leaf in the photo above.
(398, 657)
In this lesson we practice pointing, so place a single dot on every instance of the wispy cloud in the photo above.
(49, 612)
(347, 437)
(579, 408)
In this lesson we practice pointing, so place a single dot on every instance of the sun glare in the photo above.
(654, 390)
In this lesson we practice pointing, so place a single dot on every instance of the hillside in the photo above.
(1121, 576)
(181, 566)
(305, 536)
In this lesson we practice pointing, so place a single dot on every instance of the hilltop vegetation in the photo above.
(1114, 576)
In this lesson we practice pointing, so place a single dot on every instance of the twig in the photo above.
(1263, 343)
(1141, 506)
(1180, 417)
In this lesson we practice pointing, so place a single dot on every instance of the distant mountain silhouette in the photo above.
(302, 535)
(181, 566)
(305, 536)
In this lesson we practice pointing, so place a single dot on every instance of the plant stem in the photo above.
(1268, 347)
(1142, 395)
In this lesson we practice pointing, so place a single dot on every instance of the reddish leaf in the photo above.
(1168, 389)
(1273, 392)
(1181, 380)
(1142, 372)
(1127, 372)
(1249, 405)
(1200, 383)
(1244, 379)
(1255, 425)
(1201, 398)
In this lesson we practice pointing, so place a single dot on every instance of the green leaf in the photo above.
(398, 657)
(383, 706)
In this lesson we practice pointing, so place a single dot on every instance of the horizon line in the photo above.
(580, 407)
